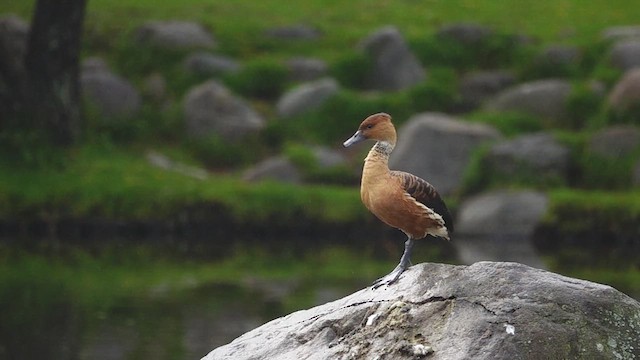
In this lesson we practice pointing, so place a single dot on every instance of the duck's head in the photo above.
(375, 127)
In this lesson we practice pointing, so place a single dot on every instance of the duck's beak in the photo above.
(356, 138)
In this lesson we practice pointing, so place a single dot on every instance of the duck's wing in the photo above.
(426, 194)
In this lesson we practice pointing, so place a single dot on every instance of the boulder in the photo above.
(294, 32)
(211, 109)
(626, 92)
(205, 64)
(465, 33)
(543, 98)
(394, 66)
(635, 177)
(277, 168)
(306, 69)
(438, 148)
(154, 87)
(488, 310)
(477, 87)
(111, 95)
(13, 38)
(625, 54)
(499, 226)
(559, 55)
(538, 154)
(621, 32)
(615, 141)
(306, 97)
(174, 35)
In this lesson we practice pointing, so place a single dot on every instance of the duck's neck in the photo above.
(377, 161)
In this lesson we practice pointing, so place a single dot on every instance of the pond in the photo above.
(174, 299)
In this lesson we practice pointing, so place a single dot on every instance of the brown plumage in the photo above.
(399, 199)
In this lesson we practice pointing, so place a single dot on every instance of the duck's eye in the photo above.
(369, 126)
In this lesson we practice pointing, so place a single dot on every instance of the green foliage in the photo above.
(217, 153)
(305, 160)
(262, 79)
(351, 70)
(492, 52)
(583, 106)
(438, 93)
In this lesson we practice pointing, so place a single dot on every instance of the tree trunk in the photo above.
(51, 65)
(40, 95)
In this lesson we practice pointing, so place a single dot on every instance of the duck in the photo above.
(399, 199)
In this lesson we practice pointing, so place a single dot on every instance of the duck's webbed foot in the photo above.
(394, 275)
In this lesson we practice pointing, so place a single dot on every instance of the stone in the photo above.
(204, 63)
(211, 109)
(294, 32)
(94, 64)
(475, 88)
(111, 95)
(154, 87)
(465, 33)
(306, 97)
(328, 158)
(635, 177)
(542, 98)
(13, 38)
(626, 92)
(499, 226)
(306, 69)
(394, 66)
(615, 141)
(174, 35)
(438, 148)
(488, 310)
(163, 162)
(625, 54)
(538, 154)
(559, 55)
(277, 168)
(621, 32)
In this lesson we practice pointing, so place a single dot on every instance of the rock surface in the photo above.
(174, 35)
(306, 97)
(211, 109)
(484, 311)
(438, 148)
(542, 98)
(538, 154)
(204, 63)
(615, 141)
(395, 67)
(277, 168)
(626, 93)
(625, 54)
(111, 95)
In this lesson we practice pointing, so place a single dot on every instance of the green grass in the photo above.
(118, 183)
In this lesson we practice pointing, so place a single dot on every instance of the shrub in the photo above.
(509, 123)
(351, 70)
(262, 79)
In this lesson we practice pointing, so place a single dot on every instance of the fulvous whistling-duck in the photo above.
(399, 199)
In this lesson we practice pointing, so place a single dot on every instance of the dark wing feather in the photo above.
(426, 194)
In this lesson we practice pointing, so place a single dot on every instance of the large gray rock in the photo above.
(306, 97)
(294, 32)
(625, 54)
(277, 168)
(395, 67)
(615, 141)
(621, 32)
(626, 92)
(540, 154)
(499, 226)
(542, 98)
(174, 35)
(111, 95)
(559, 55)
(306, 69)
(438, 148)
(484, 311)
(211, 109)
(204, 63)
(465, 33)
(477, 87)
(13, 38)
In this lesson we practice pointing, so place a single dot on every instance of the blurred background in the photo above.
(172, 176)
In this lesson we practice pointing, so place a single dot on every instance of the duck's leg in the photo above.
(394, 275)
